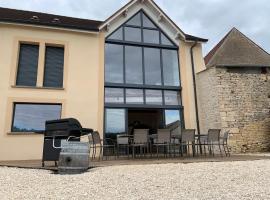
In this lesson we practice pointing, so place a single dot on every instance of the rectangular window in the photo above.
(114, 63)
(152, 66)
(172, 117)
(153, 97)
(150, 36)
(115, 122)
(114, 95)
(134, 70)
(32, 117)
(170, 68)
(28, 65)
(133, 34)
(134, 96)
(54, 64)
(172, 98)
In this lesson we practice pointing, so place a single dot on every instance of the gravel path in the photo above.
(228, 180)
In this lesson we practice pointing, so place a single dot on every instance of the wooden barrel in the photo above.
(74, 158)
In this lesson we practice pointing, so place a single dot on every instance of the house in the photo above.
(234, 92)
(134, 67)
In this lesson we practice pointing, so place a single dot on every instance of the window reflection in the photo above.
(114, 95)
(153, 97)
(172, 117)
(32, 117)
(135, 21)
(151, 36)
(133, 34)
(172, 98)
(134, 96)
(147, 22)
(170, 67)
(134, 71)
(114, 63)
(152, 66)
(117, 35)
(115, 122)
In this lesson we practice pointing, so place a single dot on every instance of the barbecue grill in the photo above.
(58, 130)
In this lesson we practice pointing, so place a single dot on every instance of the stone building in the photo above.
(234, 92)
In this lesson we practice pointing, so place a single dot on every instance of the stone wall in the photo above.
(243, 99)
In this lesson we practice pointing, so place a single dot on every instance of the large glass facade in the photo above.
(141, 72)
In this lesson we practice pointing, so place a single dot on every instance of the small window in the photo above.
(134, 96)
(172, 117)
(114, 95)
(147, 22)
(153, 97)
(135, 21)
(28, 65)
(117, 35)
(151, 36)
(133, 34)
(172, 98)
(32, 117)
(54, 65)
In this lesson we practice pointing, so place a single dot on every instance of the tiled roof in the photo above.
(37, 18)
(236, 49)
(44, 19)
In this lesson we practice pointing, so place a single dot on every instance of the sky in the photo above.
(210, 19)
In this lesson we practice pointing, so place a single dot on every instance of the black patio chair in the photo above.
(224, 141)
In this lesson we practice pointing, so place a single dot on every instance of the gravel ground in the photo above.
(216, 180)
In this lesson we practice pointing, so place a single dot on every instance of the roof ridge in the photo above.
(211, 54)
(47, 13)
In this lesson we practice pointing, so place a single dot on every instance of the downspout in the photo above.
(194, 87)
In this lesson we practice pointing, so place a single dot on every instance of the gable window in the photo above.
(32, 117)
(29, 69)
(54, 63)
(28, 65)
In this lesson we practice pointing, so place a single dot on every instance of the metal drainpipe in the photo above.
(194, 87)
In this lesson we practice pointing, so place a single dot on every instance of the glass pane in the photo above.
(135, 21)
(133, 34)
(151, 36)
(165, 40)
(134, 71)
(147, 22)
(153, 97)
(170, 68)
(32, 117)
(114, 95)
(152, 66)
(172, 98)
(115, 122)
(114, 63)
(117, 35)
(134, 96)
(172, 117)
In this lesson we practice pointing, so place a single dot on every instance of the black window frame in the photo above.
(29, 103)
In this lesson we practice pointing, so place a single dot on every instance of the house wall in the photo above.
(82, 96)
(243, 105)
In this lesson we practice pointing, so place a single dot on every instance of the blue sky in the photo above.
(211, 19)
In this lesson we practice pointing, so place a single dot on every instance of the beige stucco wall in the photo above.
(187, 81)
(83, 93)
(82, 96)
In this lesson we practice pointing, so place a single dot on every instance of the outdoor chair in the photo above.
(163, 140)
(224, 141)
(202, 141)
(103, 144)
(213, 139)
(176, 139)
(123, 143)
(140, 140)
(188, 139)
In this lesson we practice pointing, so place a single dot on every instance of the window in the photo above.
(147, 22)
(153, 97)
(28, 65)
(134, 70)
(134, 96)
(115, 122)
(54, 64)
(133, 34)
(114, 95)
(171, 117)
(32, 117)
(172, 98)
(117, 35)
(135, 21)
(114, 63)
(152, 66)
(151, 36)
(170, 67)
